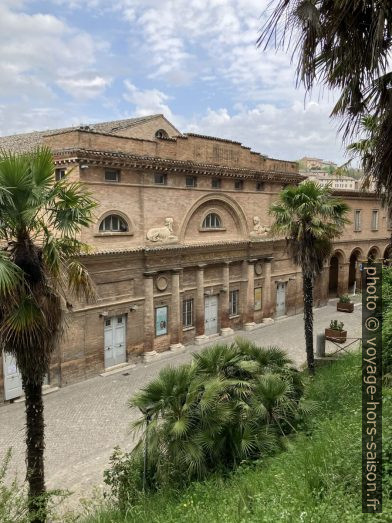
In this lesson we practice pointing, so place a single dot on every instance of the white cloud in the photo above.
(288, 133)
(84, 87)
(149, 101)
(39, 50)
(177, 44)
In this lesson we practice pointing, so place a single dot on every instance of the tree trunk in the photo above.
(308, 320)
(35, 444)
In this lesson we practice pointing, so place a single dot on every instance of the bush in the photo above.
(344, 298)
(318, 479)
(13, 500)
(231, 404)
(387, 322)
(336, 325)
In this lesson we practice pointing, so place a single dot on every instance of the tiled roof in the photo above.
(28, 141)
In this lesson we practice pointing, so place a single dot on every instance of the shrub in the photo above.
(336, 325)
(232, 403)
(387, 322)
(13, 500)
(344, 298)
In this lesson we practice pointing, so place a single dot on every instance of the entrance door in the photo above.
(12, 378)
(211, 315)
(115, 352)
(281, 299)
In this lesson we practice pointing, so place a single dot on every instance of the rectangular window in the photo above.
(161, 314)
(357, 219)
(238, 185)
(216, 183)
(389, 221)
(112, 175)
(187, 313)
(234, 297)
(59, 174)
(160, 179)
(190, 181)
(260, 186)
(375, 220)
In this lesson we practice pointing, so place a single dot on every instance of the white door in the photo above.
(281, 299)
(12, 378)
(211, 315)
(114, 340)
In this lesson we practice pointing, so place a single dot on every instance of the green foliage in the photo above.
(310, 217)
(387, 323)
(336, 325)
(14, 501)
(317, 478)
(344, 298)
(40, 220)
(318, 32)
(232, 404)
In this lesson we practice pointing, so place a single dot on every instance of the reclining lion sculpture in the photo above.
(162, 234)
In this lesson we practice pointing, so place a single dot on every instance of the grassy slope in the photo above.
(316, 480)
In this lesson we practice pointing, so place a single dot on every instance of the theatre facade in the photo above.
(181, 249)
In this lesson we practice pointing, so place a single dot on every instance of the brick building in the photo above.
(181, 249)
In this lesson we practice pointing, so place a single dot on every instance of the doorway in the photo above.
(280, 299)
(114, 341)
(210, 315)
(12, 378)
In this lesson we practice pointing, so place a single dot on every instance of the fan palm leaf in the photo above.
(38, 269)
(309, 217)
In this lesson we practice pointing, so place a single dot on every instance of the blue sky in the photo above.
(67, 62)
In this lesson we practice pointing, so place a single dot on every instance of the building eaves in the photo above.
(153, 162)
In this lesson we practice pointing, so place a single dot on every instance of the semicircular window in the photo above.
(161, 133)
(113, 223)
(212, 221)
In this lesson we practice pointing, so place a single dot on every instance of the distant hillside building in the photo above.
(345, 183)
(308, 163)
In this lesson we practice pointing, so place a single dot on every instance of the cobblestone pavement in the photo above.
(86, 420)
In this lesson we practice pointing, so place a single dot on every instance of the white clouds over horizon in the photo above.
(69, 61)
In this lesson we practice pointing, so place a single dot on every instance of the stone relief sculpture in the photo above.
(162, 234)
(259, 231)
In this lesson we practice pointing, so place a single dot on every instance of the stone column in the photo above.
(200, 336)
(266, 291)
(225, 301)
(343, 278)
(324, 284)
(250, 297)
(149, 327)
(175, 324)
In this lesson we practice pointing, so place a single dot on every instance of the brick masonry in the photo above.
(128, 268)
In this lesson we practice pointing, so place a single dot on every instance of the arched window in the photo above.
(212, 221)
(161, 133)
(113, 223)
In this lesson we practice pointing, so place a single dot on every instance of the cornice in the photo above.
(120, 159)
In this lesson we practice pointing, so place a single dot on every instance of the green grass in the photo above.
(317, 479)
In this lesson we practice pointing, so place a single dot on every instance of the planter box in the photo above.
(345, 307)
(336, 336)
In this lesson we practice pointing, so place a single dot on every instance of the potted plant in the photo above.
(335, 332)
(345, 304)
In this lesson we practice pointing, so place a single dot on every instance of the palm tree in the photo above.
(346, 47)
(233, 402)
(40, 223)
(309, 217)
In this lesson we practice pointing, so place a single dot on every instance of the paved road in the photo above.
(86, 420)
